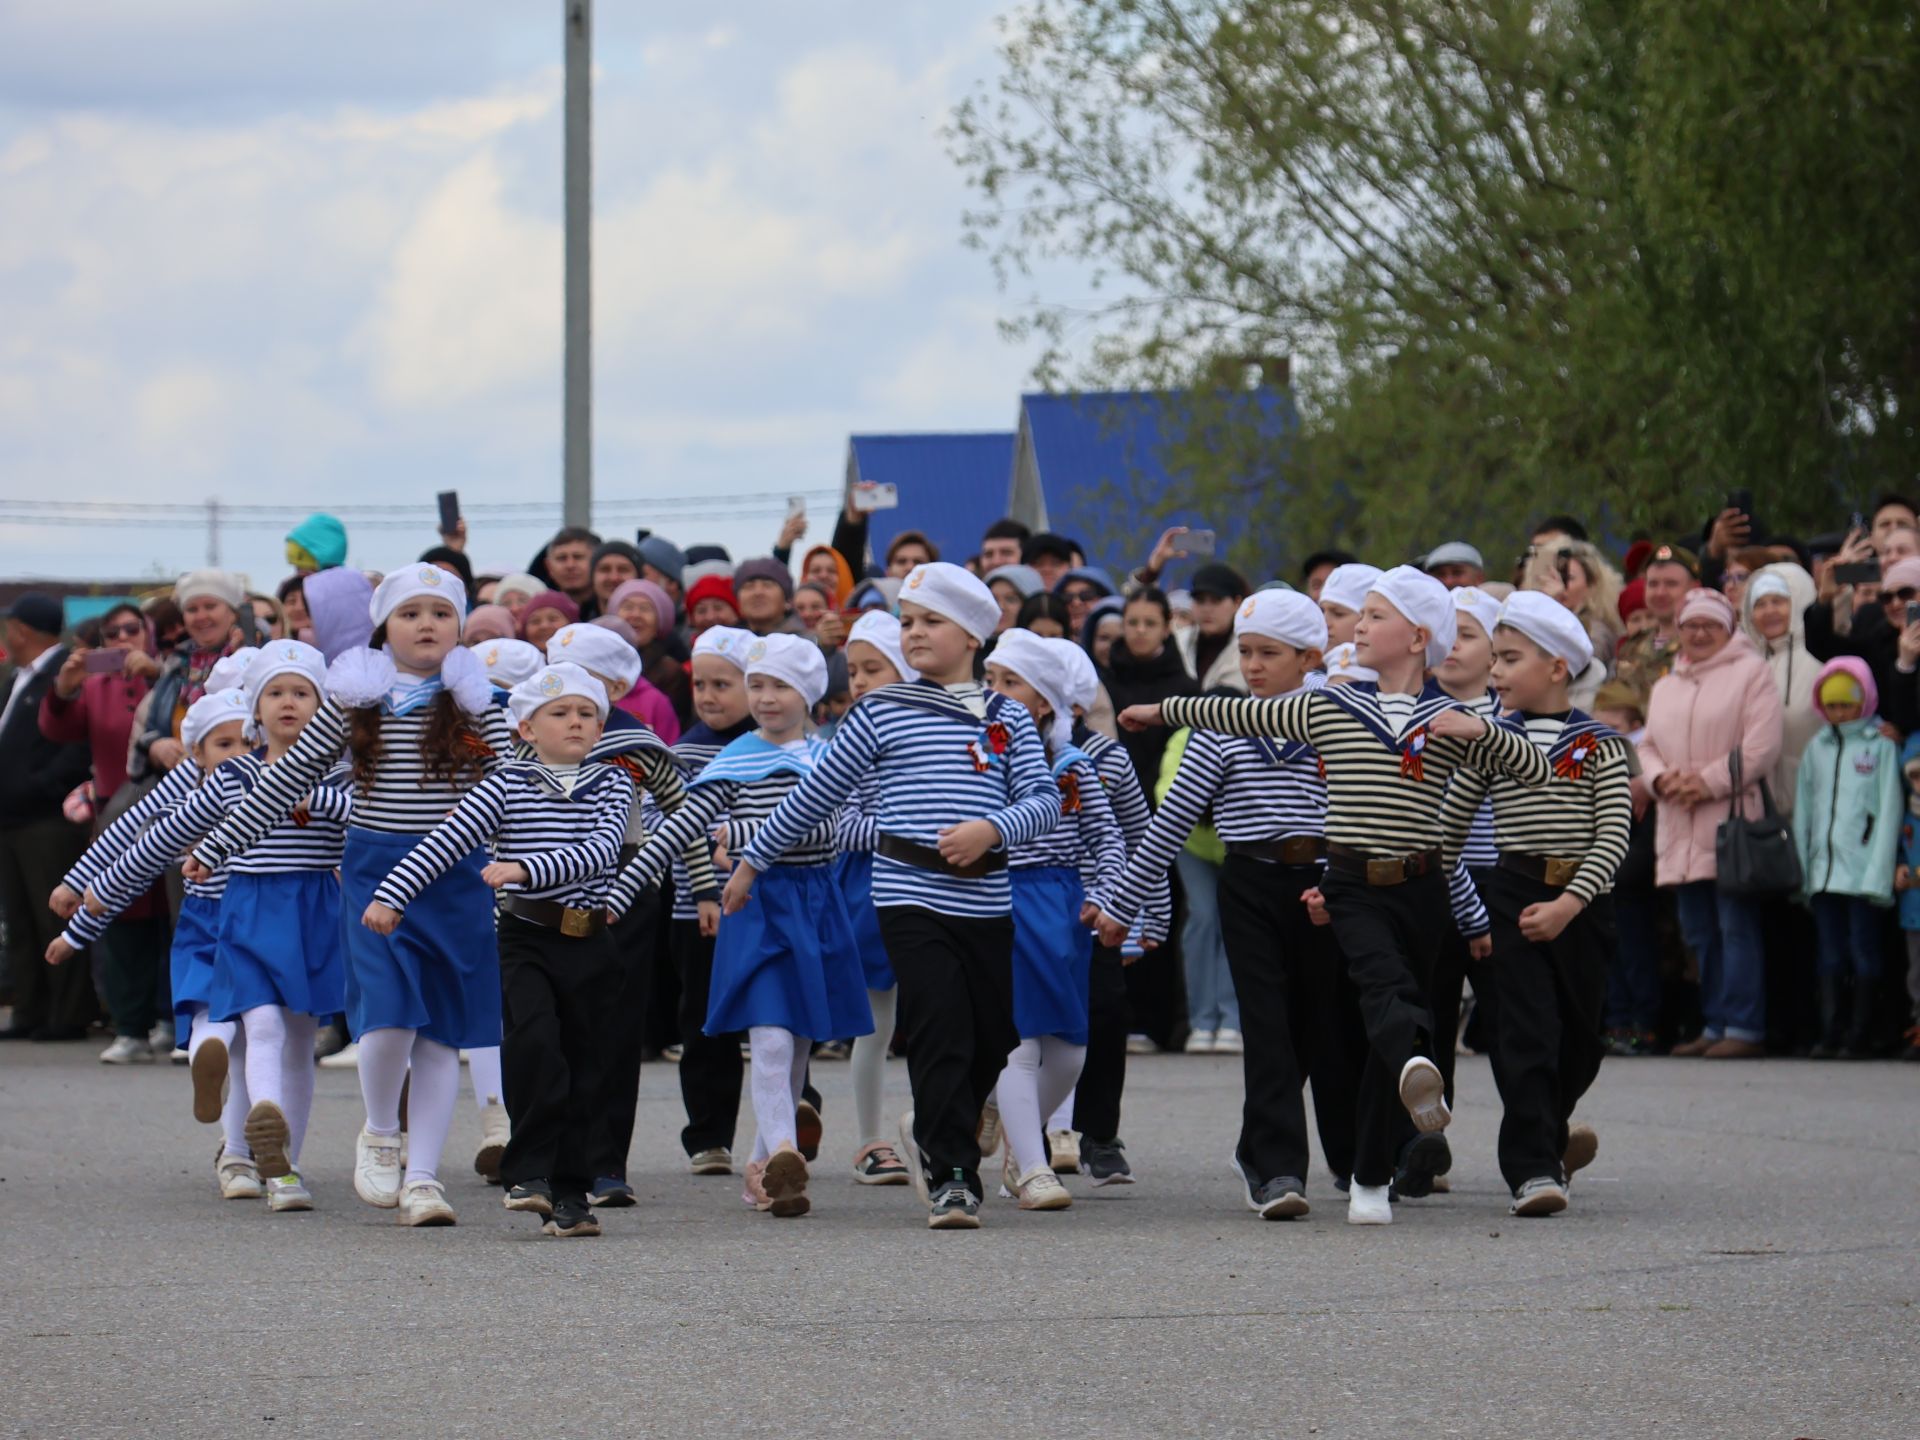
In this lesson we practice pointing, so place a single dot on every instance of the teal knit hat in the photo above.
(323, 537)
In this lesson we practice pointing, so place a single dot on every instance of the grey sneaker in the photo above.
(716, 1161)
(288, 1192)
(1542, 1195)
(955, 1207)
(1281, 1198)
(1105, 1162)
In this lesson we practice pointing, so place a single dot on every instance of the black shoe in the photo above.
(1344, 1184)
(572, 1220)
(1424, 1157)
(611, 1193)
(535, 1197)
(18, 1032)
(1281, 1198)
(955, 1207)
(1105, 1162)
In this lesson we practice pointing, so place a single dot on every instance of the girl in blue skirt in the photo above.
(277, 964)
(414, 712)
(1052, 948)
(213, 732)
(786, 968)
(874, 659)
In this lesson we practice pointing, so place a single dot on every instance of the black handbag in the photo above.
(1754, 858)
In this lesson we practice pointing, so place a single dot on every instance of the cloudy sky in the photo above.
(309, 254)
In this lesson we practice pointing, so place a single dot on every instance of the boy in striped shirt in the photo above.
(1558, 848)
(1389, 748)
(963, 778)
(556, 824)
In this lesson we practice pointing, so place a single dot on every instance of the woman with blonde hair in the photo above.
(1575, 573)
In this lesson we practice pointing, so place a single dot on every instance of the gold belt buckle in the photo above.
(1298, 850)
(576, 924)
(1560, 873)
(1386, 872)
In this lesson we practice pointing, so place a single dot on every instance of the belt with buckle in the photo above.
(925, 857)
(575, 924)
(1547, 869)
(1292, 850)
(1381, 869)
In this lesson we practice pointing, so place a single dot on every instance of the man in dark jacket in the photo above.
(38, 844)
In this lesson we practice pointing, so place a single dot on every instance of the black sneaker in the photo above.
(610, 1192)
(1105, 1162)
(1425, 1157)
(955, 1207)
(1281, 1198)
(572, 1220)
(533, 1196)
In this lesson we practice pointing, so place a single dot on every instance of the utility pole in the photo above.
(577, 491)
(213, 533)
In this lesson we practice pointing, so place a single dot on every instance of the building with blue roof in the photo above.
(952, 487)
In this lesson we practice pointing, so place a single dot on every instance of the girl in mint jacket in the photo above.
(1848, 811)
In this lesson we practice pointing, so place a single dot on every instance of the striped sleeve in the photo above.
(331, 801)
(282, 786)
(858, 828)
(1100, 833)
(1466, 788)
(1195, 783)
(1463, 899)
(174, 787)
(133, 873)
(1289, 717)
(1612, 824)
(812, 802)
(685, 827)
(1513, 754)
(473, 822)
(662, 778)
(1130, 808)
(1035, 810)
(599, 852)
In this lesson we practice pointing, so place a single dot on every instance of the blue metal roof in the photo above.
(1104, 467)
(952, 487)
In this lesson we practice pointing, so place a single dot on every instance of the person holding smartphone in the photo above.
(218, 622)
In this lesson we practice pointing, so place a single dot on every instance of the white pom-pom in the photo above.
(361, 677)
(465, 676)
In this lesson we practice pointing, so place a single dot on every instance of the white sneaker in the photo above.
(716, 1160)
(160, 1039)
(424, 1202)
(1369, 1205)
(1200, 1042)
(1040, 1189)
(127, 1050)
(1063, 1148)
(494, 1134)
(346, 1059)
(1542, 1195)
(1141, 1045)
(288, 1192)
(1229, 1042)
(376, 1169)
(1424, 1094)
(910, 1153)
(237, 1176)
(989, 1134)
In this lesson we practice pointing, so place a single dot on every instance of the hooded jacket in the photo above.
(1793, 668)
(1848, 814)
(1697, 716)
(1910, 833)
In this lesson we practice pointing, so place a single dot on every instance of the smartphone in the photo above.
(796, 506)
(873, 495)
(449, 511)
(1857, 523)
(1741, 500)
(105, 662)
(1867, 572)
(1913, 612)
(1200, 544)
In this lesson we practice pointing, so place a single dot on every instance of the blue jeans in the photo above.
(1849, 935)
(1211, 1004)
(1724, 933)
(1633, 984)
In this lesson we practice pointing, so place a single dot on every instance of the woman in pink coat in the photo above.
(1719, 697)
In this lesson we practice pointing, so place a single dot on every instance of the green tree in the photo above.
(1616, 257)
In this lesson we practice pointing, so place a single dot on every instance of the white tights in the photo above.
(384, 1059)
(233, 1114)
(779, 1065)
(869, 1065)
(1040, 1074)
(280, 1065)
(483, 1069)
(1062, 1117)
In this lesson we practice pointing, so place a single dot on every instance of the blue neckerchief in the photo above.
(752, 757)
(704, 734)
(410, 694)
(535, 773)
(1283, 752)
(626, 735)
(1064, 760)
(1578, 739)
(933, 698)
(1361, 700)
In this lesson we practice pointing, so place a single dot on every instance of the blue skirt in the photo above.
(439, 973)
(280, 945)
(196, 938)
(853, 873)
(1052, 954)
(788, 959)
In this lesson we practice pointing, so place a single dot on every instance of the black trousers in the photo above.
(1549, 1003)
(956, 1008)
(1389, 936)
(33, 858)
(1298, 1016)
(135, 979)
(557, 1027)
(710, 1065)
(1445, 992)
(1096, 1100)
(634, 938)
